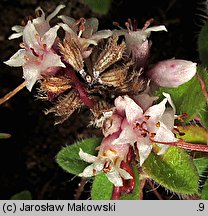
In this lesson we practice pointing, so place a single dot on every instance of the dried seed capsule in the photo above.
(55, 85)
(65, 106)
(71, 51)
(114, 77)
(111, 54)
(101, 111)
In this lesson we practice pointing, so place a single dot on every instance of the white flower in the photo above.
(107, 161)
(40, 23)
(143, 127)
(136, 41)
(85, 32)
(38, 57)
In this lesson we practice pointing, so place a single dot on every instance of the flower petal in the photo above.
(115, 178)
(156, 28)
(144, 100)
(133, 111)
(70, 22)
(156, 111)
(88, 171)
(19, 32)
(126, 136)
(50, 36)
(101, 35)
(172, 72)
(170, 101)
(30, 36)
(87, 157)
(112, 125)
(17, 59)
(168, 118)
(124, 174)
(144, 147)
(51, 60)
(91, 26)
(31, 74)
(55, 12)
(164, 134)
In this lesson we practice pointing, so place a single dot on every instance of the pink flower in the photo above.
(41, 23)
(108, 161)
(86, 30)
(172, 73)
(38, 57)
(137, 41)
(143, 127)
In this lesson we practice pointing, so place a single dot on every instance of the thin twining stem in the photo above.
(12, 93)
(185, 145)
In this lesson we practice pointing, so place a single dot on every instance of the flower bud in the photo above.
(172, 72)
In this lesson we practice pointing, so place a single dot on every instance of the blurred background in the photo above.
(27, 159)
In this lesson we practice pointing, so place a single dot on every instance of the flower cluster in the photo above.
(109, 72)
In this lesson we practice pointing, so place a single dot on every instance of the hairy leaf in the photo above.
(102, 188)
(173, 170)
(189, 98)
(68, 158)
(193, 134)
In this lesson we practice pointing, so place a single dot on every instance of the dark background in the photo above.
(27, 159)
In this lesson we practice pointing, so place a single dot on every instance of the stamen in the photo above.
(157, 124)
(147, 24)
(33, 52)
(127, 26)
(130, 24)
(22, 45)
(144, 134)
(94, 172)
(146, 117)
(107, 167)
(152, 135)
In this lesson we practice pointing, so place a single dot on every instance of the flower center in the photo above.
(146, 127)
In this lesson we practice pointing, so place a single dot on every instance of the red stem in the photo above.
(80, 88)
(185, 145)
(116, 193)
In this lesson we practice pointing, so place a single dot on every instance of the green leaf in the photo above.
(99, 6)
(136, 192)
(201, 165)
(174, 170)
(5, 135)
(193, 134)
(68, 158)
(188, 98)
(102, 188)
(23, 195)
(203, 45)
(204, 193)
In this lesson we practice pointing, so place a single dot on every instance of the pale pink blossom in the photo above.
(143, 127)
(86, 30)
(40, 23)
(172, 72)
(38, 57)
(108, 161)
(137, 42)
